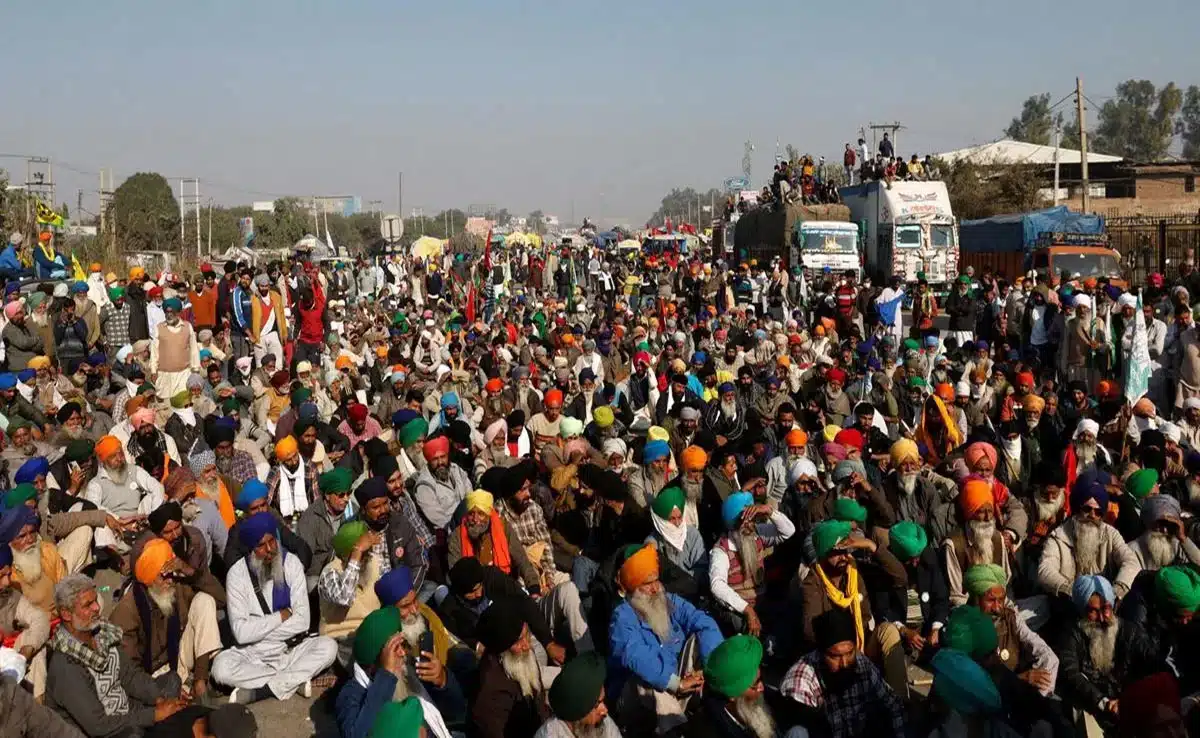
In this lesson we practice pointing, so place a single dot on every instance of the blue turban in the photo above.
(32, 469)
(394, 586)
(253, 529)
(226, 422)
(699, 357)
(450, 399)
(307, 412)
(8, 381)
(1081, 493)
(656, 450)
(403, 416)
(863, 348)
(5, 556)
(12, 521)
(1086, 586)
(731, 509)
(981, 345)
(25, 375)
(79, 286)
(99, 359)
(727, 387)
(252, 490)
(963, 684)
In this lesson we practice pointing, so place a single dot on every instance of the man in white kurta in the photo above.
(275, 656)
(174, 353)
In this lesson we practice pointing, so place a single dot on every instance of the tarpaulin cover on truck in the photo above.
(1019, 231)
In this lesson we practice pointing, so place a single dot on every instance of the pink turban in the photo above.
(495, 429)
(141, 417)
(980, 450)
(835, 451)
(12, 309)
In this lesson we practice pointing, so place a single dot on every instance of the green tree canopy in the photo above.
(1189, 123)
(681, 204)
(981, 192)
(146, 214)
(1036, 123)
(1139, 123)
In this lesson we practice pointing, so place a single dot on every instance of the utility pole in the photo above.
(400, 194)
(886, 127)
(106, 193)
(1083, 146)
(1057, 143)
(210, 211)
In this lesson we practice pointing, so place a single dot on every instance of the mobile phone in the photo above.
(73, 466)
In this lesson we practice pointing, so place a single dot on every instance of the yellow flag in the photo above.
(47, 216)
(79, 275)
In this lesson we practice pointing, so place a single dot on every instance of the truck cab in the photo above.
(1087, 255)
(909, 229)
(820, 244)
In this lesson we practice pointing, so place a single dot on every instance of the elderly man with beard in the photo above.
(646, 481)
(321, 520)
(275, 656)
(410, 438)
(982, 461)
(188, 541)
(659, 643)
(833, 400)
(917, 494)
(794, 451)
(725, 417)
(37, 565)
(174, 353)
(120, 488)
(21, 445)
(87, 653)
(441, 485)
(837, 690)
(1164, 542)
(526, 518)
(1018, 648)
(682, 430)
(1085, 545)
(292, 483)
(1084, 453)
(733, 699)
(23, 625)
(69, 518)
(511, 698)
(693, 460)
(251, 501)
(1100, 654)
(169, 617)
(383, 672)
(736, 574)
(979, 541)
(211, 486)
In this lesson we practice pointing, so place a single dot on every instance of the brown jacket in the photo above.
(816, 602)
(125, 616)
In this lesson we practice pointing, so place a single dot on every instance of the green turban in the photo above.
(399, 319)
(981, 578)
(910, 344)
(116, 293)
(374, 632)
(347, 536)
(847, 510)
(1177, 586)
(144, 388)
(80, 450)
(180, 400)
(969, 630)
(19, 495)
(667, 500)
(399, 719)
(1139, 484)
(828, 534)
(576, 689)
(336, 480)
(231, 406)
(300, 395)
(917, 382)
(16, 423)
(732, 667)
(413, 431)
(907, 540)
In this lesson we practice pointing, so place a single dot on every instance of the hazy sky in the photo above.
(599, 107)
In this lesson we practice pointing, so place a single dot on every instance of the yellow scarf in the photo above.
(849, 599)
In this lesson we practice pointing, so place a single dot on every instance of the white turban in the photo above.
(1170, 430)
(1087, 426)
(1127, 300)
(802, 469)
(962, 389)
(1191, 403)
(1083, 301)
(495, 429)
(613, 447)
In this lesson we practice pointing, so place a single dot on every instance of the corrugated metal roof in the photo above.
(1007, 151)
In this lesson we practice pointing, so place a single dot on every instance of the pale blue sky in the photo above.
(603, 105)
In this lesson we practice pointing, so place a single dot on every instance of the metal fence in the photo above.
(1154, 243)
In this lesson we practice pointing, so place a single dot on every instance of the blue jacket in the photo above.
(637, 650)
(8, 259)
(45, 266)
(356, 706)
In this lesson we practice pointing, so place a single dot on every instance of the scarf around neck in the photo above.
(293, 498)
(849, 599)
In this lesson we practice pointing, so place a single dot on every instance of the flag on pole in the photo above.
(78, 274)
(47, 216)
(1137, 368)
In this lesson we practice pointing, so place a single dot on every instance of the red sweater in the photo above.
(312, 323)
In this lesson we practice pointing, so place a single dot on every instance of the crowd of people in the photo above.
(496, 494)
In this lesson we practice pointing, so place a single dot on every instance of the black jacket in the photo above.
(928, 578)
(1079, 682)
(461, 620)
(961, 309)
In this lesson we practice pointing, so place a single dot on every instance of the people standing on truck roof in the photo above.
(849, 160)
(886, 150)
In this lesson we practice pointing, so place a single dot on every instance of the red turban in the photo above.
(849, 438)
(494, 386)
(554, 397)
(836, 375)
(358, 413)
(436, 446)
(1025, 379)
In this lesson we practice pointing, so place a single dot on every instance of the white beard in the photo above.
(164, 600)
(756, 716)
(907, 482)
(1048, 510)
(29, 561)
(118, 475)
(400, 692)
(191, 511)
(523, 669)
(653, 610)
(413, 628)
(1087, 548)
(1161, 548)
(275, 572)
(692, 489)
(1085, 456)
(980, 534)
(1102, 644)
(729, 410)
(747, 551)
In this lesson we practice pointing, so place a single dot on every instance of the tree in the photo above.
(1036, 122)
(145, 214)
(1139, 122)
(1189, 123)
(536, 222)
(686, 204)
(983, 191)
(791, 153)
(63, 211)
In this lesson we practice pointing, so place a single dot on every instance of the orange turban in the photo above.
(95, 266)
(1106, 388)
(945, 391)
(343, 362)
(286, 447)
(1033, 404)
(795, 437)
(639, 567)
(568, 340)
(107, 447)
(693, 458)
(976, 494)
(494, 386)
(1025, 379)
(977, 451)
(155, 556)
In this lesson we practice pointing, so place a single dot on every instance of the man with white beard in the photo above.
(736, 573)
(979, 541)
(1098, 655)
(916, 493)
(511, 698)
(577, 699)
(1164, 542)
(382, 673)
(724, 417)
(274, 657)
(121, 489)
(169, 616)
(1084, 453)
(36, 565)
(693, 460)
(1086, 545)
(441, 485)
(733, 698)
(658, 642)
(410, 437)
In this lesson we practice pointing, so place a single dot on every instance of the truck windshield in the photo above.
(841, 242)
(908, 237)
(1087, 264)
(942, 236)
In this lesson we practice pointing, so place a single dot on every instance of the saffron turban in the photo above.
(108, 447)
(693, 458)
(976, 494)
(639, 566)
(155, 555)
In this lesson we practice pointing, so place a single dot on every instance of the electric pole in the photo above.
(106, 193)
(1083, 146)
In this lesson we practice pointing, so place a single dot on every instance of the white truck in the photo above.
(909, 229)
(826, 244)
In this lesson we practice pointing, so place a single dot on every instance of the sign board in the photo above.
(263, 206)
(391, 227)
(1046, 238)
(733, 184)
(246, 230)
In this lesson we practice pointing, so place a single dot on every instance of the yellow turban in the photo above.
(831, 432)
(724, 376)
(657, 433)
(480, 500)
(1033, 404)
(137, 273)
(693, 458)
(904, 450)
(154, 557)
(38, 362)
(639, 567)
(286, 447)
